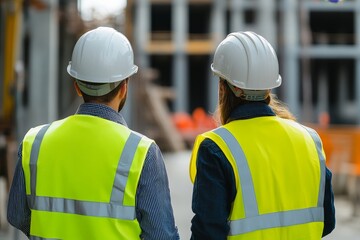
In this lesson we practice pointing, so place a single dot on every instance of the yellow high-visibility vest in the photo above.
(279, 169)
(81, 176)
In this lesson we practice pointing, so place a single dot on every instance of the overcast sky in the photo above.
(103, 7)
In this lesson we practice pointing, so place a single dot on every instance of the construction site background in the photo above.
(173, 97)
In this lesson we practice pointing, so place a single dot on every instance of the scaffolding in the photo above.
(317, 42)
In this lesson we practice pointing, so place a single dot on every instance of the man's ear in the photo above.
(123, 89)
(78, 91)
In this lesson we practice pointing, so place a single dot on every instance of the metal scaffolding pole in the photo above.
(306, 81)
(180, 67)
(290, 63)
(322, 93)
(218, 30)
(357, 65)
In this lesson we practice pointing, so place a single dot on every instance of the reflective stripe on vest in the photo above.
(253, 220)
(40, 238)
(114, 209)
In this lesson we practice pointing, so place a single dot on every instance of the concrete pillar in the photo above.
(289, 64)
(236, 16)
(266, 21)
(43, 68)
(53, 60)
(142, 32)
(180, 68)
(141, 38)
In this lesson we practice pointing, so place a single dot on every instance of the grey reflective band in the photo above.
(113, 209)
(319, 148)
(276, 219)
(247, 185)
(123, 169)
(95, 209)
(41, 238)
(253, 220)
(34, 155)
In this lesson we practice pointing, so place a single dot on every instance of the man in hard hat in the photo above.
(261, 175)
(89, 176)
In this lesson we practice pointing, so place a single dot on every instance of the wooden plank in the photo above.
(153, 116)
(200, 47)
(162, 117)
(160, 47)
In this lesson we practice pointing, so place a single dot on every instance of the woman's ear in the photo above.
(221, 87)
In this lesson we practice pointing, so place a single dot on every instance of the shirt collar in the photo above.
(251, 110)
(102, 111)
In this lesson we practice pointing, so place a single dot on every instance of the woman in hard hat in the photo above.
(89, 176)
(261, 175)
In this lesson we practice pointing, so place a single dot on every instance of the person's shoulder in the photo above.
(142, 136)
(153, 149)
(299, 125)
(35, 129)
(306, 129)
(208, 145)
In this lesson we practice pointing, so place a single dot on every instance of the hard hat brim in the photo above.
(112, 79)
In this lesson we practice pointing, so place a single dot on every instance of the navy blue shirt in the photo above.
(214, 187)
(153, 204)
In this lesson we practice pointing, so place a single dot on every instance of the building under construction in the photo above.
(317, 43)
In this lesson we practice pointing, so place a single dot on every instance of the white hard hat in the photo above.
(247, 61)
(102, 55)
